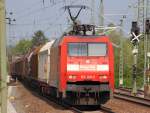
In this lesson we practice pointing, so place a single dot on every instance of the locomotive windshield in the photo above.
(87, 49)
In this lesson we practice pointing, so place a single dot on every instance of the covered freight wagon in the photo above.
(33, 63)
(19, 68)
(27, 64)
(44, 62)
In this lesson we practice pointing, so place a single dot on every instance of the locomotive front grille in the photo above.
(79, 87)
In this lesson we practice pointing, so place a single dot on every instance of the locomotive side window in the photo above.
(87, 49)
(97, 49)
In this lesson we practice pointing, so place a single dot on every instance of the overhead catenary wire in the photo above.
(47, 19)
(25, 10)
(62, 14)
(127, 14)
(37, 10)
(50, 24)
(35, 24)
(29, 24)
(28, 8)
(39, 24)
(110, 21)
(117, 14)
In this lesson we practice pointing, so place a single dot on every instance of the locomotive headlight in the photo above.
(103, 77)
(72, 77)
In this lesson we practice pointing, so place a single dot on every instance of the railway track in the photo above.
(69, 109)
(74, 109)
(129, 90)
(106, 110)
(125, 94)
(100, 109)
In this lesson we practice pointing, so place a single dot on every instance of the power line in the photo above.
(37, 10)
(31, 24)
(117, 14)
(28, 8)
(108, 20)
(47, 19)
(62, 14)
(50, 23)
(22, 11)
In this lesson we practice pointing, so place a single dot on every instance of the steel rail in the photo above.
(105, 109)
(135, 99)
(129, 90)
(126, 88)
(59, 103)
(50, 100)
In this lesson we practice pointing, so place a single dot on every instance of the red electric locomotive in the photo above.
(82, 67)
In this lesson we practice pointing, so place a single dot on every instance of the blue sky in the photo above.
(32, 15)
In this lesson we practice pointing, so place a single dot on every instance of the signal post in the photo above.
(135, 30)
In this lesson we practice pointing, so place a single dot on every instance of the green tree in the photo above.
(128, 59)
(115, 37)
(22, 47)
(39, 38)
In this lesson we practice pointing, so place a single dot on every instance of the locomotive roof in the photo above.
(87, 36)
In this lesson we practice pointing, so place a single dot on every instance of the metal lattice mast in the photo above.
(145, 51)
(148, 9)
(93, 12)
(141, 23)
(101, 15)
(148, 40)
(121, 57)
(141, 14)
